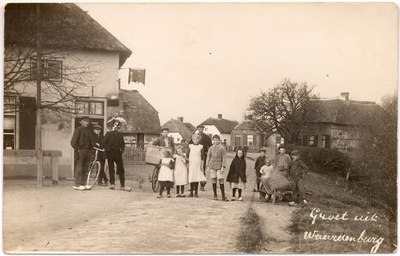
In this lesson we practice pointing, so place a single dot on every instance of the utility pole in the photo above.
(39, 152)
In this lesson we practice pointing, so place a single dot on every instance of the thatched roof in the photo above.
(190, 127)
(65, 26)
(177, 126)
(140, 115)
(223, 125)
(348, 112)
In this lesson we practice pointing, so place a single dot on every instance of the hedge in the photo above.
(323, 160)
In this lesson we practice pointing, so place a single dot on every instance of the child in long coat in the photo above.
(237, 174)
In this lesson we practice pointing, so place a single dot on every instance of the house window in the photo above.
(90, 107)
(52, 69)
(312, 141)
(9, 123)
(326, 141)
(250, 141)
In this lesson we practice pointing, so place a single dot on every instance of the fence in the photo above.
(133, 156)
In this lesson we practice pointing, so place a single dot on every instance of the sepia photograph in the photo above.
(200, 127)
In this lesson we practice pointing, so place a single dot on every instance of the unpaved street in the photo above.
(59, 219)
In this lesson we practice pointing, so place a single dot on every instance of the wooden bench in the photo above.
(53, 154)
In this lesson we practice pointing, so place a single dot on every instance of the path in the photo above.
(59, 219)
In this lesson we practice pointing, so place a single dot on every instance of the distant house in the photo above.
(220, 126)
(179, 130)
(143, 123)
(72, 43)
(250, 134)
(341, 123)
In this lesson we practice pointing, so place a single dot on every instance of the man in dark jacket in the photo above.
(207, 143)
(114, 145)
(81, 142)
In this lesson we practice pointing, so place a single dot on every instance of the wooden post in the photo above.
(39, 153)
(54, 169)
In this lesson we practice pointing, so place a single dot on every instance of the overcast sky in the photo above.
(205, 59)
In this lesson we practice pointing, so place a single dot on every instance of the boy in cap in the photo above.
(81, 142)
(115, 145)
(260, 161)
(97, 141)
(216, 159)
(164, 140)
(296, 172)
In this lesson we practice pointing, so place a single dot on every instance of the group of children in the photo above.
(186, 167)
(294, 169)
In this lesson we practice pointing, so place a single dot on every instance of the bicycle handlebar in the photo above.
(99, 149)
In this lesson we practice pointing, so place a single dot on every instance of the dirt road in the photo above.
(55, 219)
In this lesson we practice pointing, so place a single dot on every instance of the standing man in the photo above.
(207, 143)
(282, 160)
(164, 140)
(115, 145)
(81, 142)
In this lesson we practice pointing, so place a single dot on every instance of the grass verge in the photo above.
(251, 237)
(337, 221)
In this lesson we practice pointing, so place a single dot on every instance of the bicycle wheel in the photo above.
(154, 179)
(93, 174)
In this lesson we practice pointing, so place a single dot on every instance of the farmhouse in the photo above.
(79, 56)
(143, 123)
(249, 133)
(341, 123)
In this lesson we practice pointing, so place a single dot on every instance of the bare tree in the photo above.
(286, 108)
(61, 81)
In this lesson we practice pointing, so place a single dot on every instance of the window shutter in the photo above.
(316, 141)
(244, 140)
(27, 123)
(327, 141)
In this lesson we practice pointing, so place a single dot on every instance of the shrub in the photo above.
(323, 160)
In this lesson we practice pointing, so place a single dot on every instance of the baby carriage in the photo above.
(276, 187)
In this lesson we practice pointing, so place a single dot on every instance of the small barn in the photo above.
(249, 133)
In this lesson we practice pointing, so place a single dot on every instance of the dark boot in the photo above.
(214, 185)
(222, 187)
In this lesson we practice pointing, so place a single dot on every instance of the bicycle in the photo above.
(154, 178)
(94, 170)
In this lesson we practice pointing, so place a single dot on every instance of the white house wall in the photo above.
(57, 129)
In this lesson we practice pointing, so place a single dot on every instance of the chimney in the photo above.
(180, 118)
(219, 116)
(345, 96)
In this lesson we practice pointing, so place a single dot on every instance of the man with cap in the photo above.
(164, 140)
(296, 172)
(97, 141)
(260, 161)
(81, 142)
(114, 145)
(282, 160)
(207, 143)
